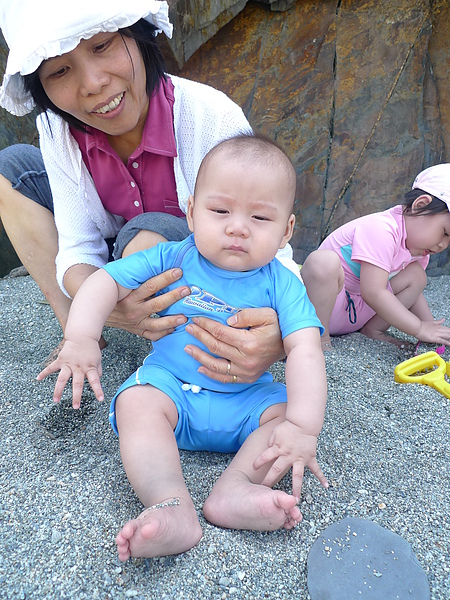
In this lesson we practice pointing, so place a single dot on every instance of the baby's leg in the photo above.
(238, 500)
(407, 286)
(323, 276)
(146, 418)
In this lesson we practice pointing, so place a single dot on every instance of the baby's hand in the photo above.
(434, 332)
(77, 360)
(290, 447)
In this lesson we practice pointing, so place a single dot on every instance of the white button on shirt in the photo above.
(135, 165)
(136, 203)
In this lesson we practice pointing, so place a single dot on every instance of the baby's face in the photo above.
(241, 215)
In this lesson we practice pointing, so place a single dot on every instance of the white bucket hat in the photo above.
(36, 30)
(435, 181)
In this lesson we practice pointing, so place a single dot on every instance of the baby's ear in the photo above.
(189, 214)
(289, 231)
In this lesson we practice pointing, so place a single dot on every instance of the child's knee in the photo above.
(421, 278)
(322, 265)
(418, 277)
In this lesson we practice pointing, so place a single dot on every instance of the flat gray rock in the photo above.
(358, 559)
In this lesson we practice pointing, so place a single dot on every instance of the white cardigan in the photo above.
(203, 117)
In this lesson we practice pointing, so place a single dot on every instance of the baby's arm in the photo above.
(80, 356)
(406, 308)
(293, 442)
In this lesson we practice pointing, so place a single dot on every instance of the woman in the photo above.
(121, 144)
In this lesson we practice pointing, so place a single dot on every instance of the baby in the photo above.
(240, 215)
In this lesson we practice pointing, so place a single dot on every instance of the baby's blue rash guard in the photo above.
(215, 293)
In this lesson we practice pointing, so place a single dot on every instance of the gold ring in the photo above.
(234, 379)
(229, 368)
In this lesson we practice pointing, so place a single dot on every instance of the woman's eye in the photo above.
(104, 45)
(101, 47)
(59, 73)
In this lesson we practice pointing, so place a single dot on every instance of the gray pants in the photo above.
(24, 167)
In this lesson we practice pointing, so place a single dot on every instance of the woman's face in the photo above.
(102, 82)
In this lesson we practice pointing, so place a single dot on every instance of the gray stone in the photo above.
(356, 559)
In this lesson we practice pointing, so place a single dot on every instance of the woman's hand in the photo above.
(134, 313)
(249, 346)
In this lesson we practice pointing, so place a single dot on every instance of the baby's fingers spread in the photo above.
(77, 388)
(51, 368)
(63, 378)
(267, 456)
(94, 382)
(297, 478)
(279, 468)
(317, 471)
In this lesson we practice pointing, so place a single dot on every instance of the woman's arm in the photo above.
(80, 218)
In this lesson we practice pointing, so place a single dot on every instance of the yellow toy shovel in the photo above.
(428, 368)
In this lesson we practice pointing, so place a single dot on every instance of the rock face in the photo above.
(354, 90)
(194, 24)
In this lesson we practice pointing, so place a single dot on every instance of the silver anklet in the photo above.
(169, 502)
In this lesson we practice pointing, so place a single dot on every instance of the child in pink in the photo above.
(369, 274)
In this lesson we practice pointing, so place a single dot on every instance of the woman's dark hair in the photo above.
(144, 34)
(434, 207)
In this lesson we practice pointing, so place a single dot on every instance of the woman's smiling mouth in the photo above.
(110, 106)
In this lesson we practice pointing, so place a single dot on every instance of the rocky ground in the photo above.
(64, 495)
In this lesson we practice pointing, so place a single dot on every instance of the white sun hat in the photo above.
(36, 30)
(435, 181)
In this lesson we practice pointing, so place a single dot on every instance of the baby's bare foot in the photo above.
(252, 506)
(170, 527)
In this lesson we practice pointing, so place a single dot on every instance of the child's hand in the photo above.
(434, 332)
(290, 447)
(77, 360)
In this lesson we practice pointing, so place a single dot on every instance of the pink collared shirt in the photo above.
(147, 182)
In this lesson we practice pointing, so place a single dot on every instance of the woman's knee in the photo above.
(23, 175)
(143, 241)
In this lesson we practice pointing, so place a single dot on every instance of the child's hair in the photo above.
(434, 207)
(144, 34)
(250, 149)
